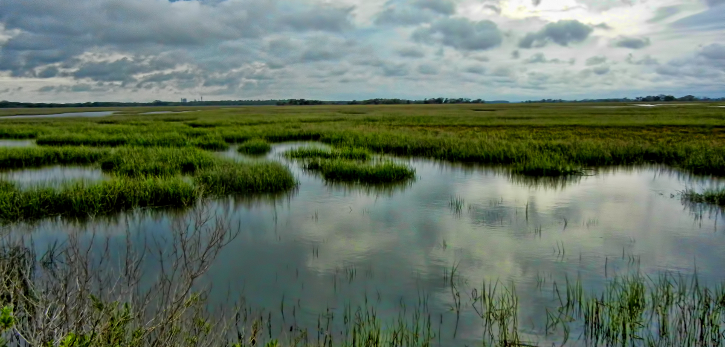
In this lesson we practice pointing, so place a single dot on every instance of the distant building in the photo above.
(183, 100)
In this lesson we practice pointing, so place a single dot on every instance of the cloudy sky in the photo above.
(142, 50)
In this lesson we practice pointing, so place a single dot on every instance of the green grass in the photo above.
(533, 139)
(336, 153)
(352, 171)
(83, 200)
(236, 178)
(16, 158)
(158, 161)
(255, 147)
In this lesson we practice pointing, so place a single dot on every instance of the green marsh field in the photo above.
(405, 225)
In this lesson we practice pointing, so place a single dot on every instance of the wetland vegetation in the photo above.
(87, 291)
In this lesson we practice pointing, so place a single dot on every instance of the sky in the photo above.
(144, 50)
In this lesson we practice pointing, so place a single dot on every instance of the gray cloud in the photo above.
(444, 7)
(411, 52)
(663, 13)
(596, 60)
(395, 70)
(540, 58)
(515, 54)
(536, 2)
(647, 60)
(48, 72)
(475, 69)
(714, 3)
(320, 19)
(631, 42)
(428, 69)
(714, 51)
(563, 32)
(461, 34)
(402, 16)
(709, 20)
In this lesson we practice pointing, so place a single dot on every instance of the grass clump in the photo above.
(16, 158)
(82, 200)
(342, 153)
(255, 147)
(211, 143)
(159, 161)
(715, 197)
(237, 178)
(351, 171)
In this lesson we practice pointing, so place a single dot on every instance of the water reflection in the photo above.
(17, 143)
(324, 246)
(53, 176)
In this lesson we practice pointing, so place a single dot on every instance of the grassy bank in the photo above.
(141, 177)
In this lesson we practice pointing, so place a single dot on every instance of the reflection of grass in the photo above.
(255, 147)
(715, 197)
(351, 171)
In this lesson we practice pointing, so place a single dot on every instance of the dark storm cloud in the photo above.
(631, 42)
(461, 34)
(48, 72)
(119, 70)
(563, 33)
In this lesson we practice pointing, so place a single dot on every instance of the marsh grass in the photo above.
(228, 178)
(210, 143)
(16, 158)
(352, 171)
(335, 153)
(255, 147)
(84, 200)
(159, 161)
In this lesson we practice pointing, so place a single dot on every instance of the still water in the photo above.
(62, 115)
(325, 246)
(52, 176)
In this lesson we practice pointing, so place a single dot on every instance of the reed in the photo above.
(228, 178)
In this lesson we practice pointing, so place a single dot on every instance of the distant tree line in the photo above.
(649, 98)
(11, 104)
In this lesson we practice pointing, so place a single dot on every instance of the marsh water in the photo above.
(326, 246)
